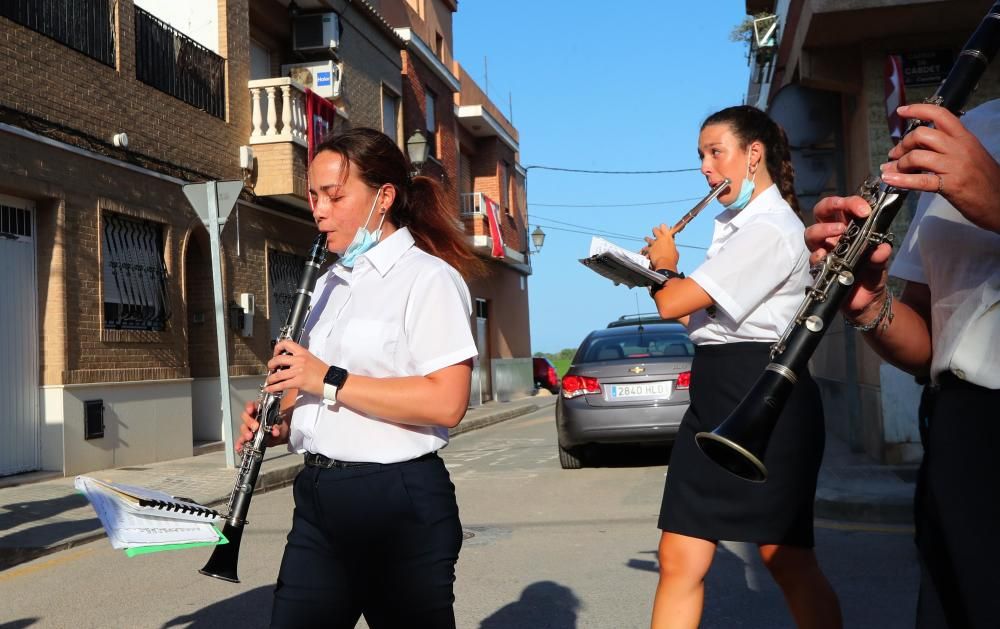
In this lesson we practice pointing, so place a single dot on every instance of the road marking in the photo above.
(61, 558)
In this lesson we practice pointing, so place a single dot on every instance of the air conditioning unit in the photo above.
(322, 77)
(316, 31)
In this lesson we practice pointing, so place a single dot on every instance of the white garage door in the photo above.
(19, 423)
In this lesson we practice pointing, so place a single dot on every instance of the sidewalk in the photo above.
(41, 514)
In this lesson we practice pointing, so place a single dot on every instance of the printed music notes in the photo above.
(142, 520)
(620, 265)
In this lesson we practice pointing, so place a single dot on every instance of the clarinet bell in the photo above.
(225, 557)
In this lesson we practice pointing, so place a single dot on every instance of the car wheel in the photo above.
(570, 459)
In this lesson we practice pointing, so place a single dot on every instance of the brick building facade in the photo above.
(110, 291)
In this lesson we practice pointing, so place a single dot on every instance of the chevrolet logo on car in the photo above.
(637, 369)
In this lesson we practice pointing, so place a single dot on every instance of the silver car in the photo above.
(627, 384)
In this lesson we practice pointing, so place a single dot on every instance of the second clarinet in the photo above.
(740, 442)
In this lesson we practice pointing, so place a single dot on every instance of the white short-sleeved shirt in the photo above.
(399, 312)
(755, 270)
(960, 263)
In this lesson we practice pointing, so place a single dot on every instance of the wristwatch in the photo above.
(332, 382)
(669, 275)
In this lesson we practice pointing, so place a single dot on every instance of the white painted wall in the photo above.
(144, 422)
(198, 19)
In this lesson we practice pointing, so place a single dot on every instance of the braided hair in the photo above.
(750, 124)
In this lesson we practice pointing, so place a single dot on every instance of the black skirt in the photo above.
(701, 499)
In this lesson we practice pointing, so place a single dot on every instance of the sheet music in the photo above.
(163, 504)
(127, 529)
(600, 245)
(620, 265)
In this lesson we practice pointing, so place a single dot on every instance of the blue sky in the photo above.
(598, 87)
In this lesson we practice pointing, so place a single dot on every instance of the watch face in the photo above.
(335, 376)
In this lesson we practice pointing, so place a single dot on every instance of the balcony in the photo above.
(279, 137)
(177, 65)
(472, 204)
(472, 210)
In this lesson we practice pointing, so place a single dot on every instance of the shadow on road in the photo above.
(542, 604)
(247, 610)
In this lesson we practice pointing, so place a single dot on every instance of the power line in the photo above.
(615, 204)
(608, 234)
(614, 172)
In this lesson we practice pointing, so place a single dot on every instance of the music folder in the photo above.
(142, 520)
(620, 265)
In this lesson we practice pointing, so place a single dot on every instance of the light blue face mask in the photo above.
(363, 239)
(746, 191)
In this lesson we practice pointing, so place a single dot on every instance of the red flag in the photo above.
(493, 216)
(895, 95)
(320, 116)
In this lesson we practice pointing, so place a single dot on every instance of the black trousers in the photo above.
(958, 509)
(377, 540)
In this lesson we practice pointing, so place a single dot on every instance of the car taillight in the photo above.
(573, 386)
(684, 380)
(553, 377)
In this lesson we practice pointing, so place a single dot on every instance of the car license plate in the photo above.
(640, 390)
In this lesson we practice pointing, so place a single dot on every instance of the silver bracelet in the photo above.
(883, 319)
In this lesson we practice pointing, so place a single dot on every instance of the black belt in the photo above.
(318, 460)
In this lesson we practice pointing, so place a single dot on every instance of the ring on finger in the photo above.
(940, 188)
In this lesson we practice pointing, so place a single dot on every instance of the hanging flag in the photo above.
(895, 95)
(320, 117)
(493, 216)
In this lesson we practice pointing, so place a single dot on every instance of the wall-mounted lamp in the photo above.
(537, 239)
(120, 140)
(416, 149)
(293, 9)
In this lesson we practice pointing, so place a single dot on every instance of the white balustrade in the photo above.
(279, 111)
(472, 203)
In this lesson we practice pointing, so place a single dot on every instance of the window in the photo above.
(430, 104)
(390, 114)
(439, 46)
(135, 276)
(505, 187)
(284, 271)
(637, 344)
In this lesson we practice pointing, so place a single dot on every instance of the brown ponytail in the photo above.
(750, 124)
(420, 205)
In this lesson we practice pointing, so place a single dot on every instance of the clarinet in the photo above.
(222, 564)
(739, 443)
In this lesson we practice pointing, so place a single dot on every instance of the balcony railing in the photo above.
(279, 111)
(86, 26)
(177, 65)
(473, 204)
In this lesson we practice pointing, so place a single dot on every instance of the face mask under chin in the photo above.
(363, 239)
(747, 187)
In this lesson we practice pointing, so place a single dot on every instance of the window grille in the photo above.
(15, 223)
(86, 26)
(284, 274)
(135, 276)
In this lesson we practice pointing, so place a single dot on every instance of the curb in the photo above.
(883, 510)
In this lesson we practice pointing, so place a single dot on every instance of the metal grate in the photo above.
(177, 65)
(86, 26)
(15, 222)
(135, 287)
(284, 273)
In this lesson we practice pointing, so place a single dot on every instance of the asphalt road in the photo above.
(545, 548)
